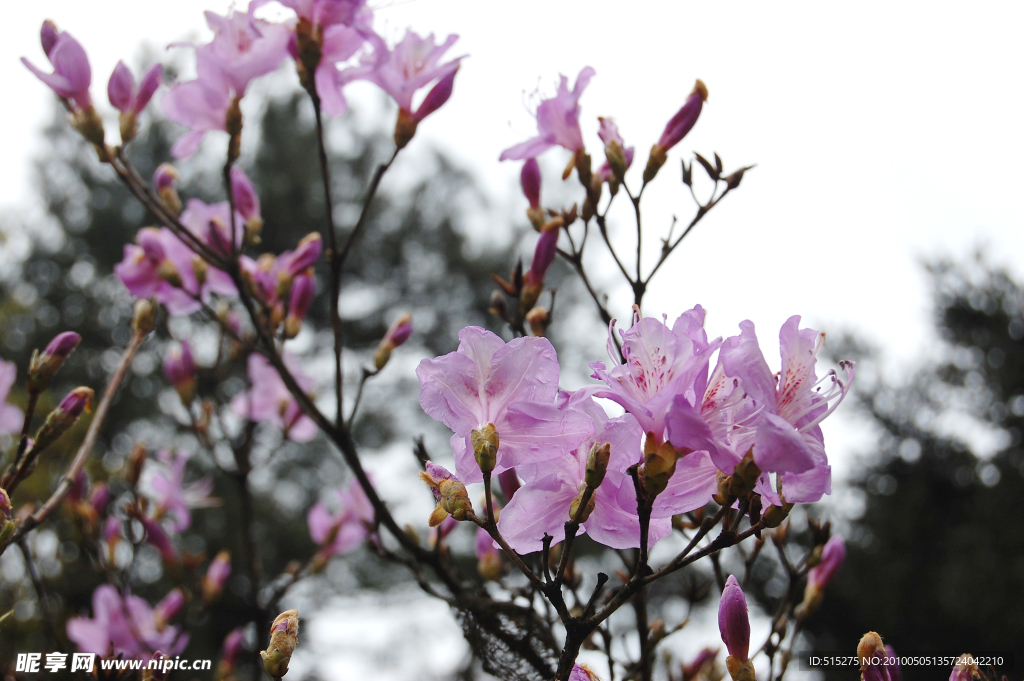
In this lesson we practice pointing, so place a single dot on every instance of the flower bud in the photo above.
(60, 420)
(397, 334)
(870, 646)
(734, 626)
(578, 512)
(485, 447)
(247, 201)
(165, 180)
(305, 254)
(773, 516)
(744, 476)
(893, 666)
(450, 494)
(48, 35)
(530, 180)
(498, 308)
(134, 463)
(180, 369)
(538, 318)
(157, 668)
(284, 636)
(230, 648)
(44, 365)
(99, 499)
(543, 256)
(436, 98)
(704, 659)
(5, 505)
(216, 575)
(167, 608)
(405, 128)
(597, 464)
(659, 465)
(156, 536)
(965, 669)
(302, 294)
(144, 316)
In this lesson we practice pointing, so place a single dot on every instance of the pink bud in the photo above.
(99, 497)
(78, 488)
(893, 668)
(151, 243)
(684, 120)
(732, 620)
(305, 254)
(832, 557)
(62, 345)
(303, 292)
(151, 80)
(180, 369)
(437, 96)
(529, 178)
(76, 401)
(156, 536)
(218, 238)
(232, 646)
(168, 607)
(400, 330)
(543, 255)
(247, 203)
(121, 88)
(71, 75)
(5, 505)
(165, 177)
(48, 35)
(217, 574)
(112, 529)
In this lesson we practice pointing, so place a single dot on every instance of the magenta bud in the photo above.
(48, 35)
(216, 575)
(232, 646)
(151, 80)
(149, 241)
(305, 254)
(99, 497)
(732, 620)
(832, 557)
(509, 481)
(218, 238)
(400, 330)
(78, 488)
(543, 255)
(247, 203)
(893, 668)
(437, 96)
(71, 75)
(179, 366)
(112, 530)
(62, 345)
(76, 401)
(529, 179)
(165, 177)
(44, 365)
(303, 292)
(121, 88)
(156, 536)
(168, 607)
(684, 120)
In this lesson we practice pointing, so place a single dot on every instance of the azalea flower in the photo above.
(506, 389)
(269, 399)
(343, 530)
(126, 626)
(72, 74)
(172, 497)
(558, 121)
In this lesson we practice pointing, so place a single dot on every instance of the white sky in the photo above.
(883, 132)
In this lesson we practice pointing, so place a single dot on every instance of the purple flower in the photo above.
(201, 105)
(156, 536)
(684, 119)
(510, 387)
(661, 363)
(324, 13)
(732, 620)
(343, 530)
(303, 292)
(247, 202)
(127, 627)
(171, 496)
(893, 668)
(558, 121)
(232, 646)
(340, 42)
(169, 606)
(216, 574)
(72, 74)
(542, 505)
(269, 399)
(123, 93)
(11, 417)
(305, 255)
(412, 64)
(581, 672)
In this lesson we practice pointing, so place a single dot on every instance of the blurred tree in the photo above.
(414, 256)
(936, 562)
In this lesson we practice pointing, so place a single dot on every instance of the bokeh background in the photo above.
(885, 208)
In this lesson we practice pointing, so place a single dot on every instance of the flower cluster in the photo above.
(689, 434)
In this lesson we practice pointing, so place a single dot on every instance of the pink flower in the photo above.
(343, 530)
(11, 417)
(216, 574)
(787, 439)
(412, 64)
(340, 43)
(72, 74)
(127, 627)
(242, 49)
(180, 370)
(161, 265)
(510, 386)
(558, 121)
(542, 505)
(123, 93)
(171, 496)
(661, 363)
(324, 13)
(269, 399)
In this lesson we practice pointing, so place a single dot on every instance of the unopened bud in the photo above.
(597, 464)
(578, 512)
(44, 365)
(659, 465)
(654, 162)
(485, 447)
(449, 493)
(165, 180)
(538, 319)
(583, 171)
(216, 575)
(167, 608)
(133, 465)
(773, 516)
(88, 123)
(744, 476)
(397, 334)
(60, 420)
(284, 636)
(180, 369)
(144, 316)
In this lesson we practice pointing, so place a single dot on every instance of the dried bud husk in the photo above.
(538, 319)
(284, 636)
(813, 597)
(144, 315)
(744, 476)
(580, 511)
(740, 670)
(774, 515)
(499, 308)
(654, 162)
(659, 465)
